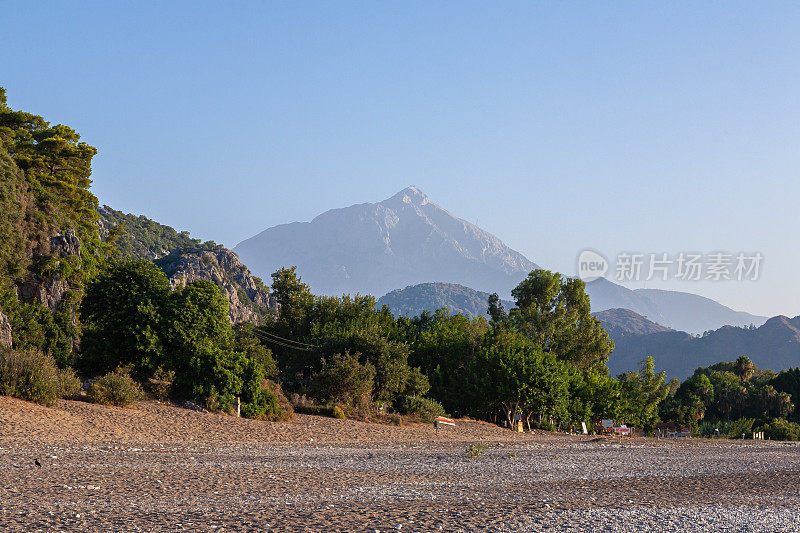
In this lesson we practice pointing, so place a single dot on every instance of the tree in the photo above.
(496, 311)
(641, 394)
(555, 314)
(523, 379)
(444, 346)
(199, 341)
(744, 368)
(343, 380)
(729, 394)
(122, 316)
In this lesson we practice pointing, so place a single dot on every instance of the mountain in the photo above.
(376, 247)
(415, 299)
(621, 322)
(604, 294)
(677, 310)
(142, 237)
(775, 346)
(696, 314)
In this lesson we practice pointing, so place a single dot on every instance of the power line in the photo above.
(278, 337)
(283, 344)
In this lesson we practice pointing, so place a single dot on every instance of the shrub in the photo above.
(332, 411)
(343, 380)
(269, 404)
(68, 383)
(781, 429)
(475, 450)
(728, 430)
(115, 388)
(422, 409)
(303, 404)
(34, 377)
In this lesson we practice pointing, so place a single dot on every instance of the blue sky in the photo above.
(652, 127)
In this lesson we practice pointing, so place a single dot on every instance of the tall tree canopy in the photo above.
(554, 313)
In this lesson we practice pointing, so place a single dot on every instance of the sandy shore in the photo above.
(161, 468)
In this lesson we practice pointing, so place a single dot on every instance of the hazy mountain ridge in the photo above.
(377, 247)
(775, 345)
(681, 311)
(458, 299)
(620, 322)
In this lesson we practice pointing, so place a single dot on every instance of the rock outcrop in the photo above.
(5, 331)
(49, 290)
(249, 300)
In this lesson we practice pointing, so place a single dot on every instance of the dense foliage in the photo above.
(33, 376)
(142, 238)
(115, 388)
(44, 193)
(735, 397)
(133, 320)
(341, 350)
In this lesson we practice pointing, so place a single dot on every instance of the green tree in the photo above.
(122, 316)
(555, 314)
(199, 341)
(522, 379)
(343, 380)
(641, 394)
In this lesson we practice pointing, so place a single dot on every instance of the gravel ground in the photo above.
(222, 474)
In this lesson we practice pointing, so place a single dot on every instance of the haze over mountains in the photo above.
(775, 346)
(677, 310)
(377, 247)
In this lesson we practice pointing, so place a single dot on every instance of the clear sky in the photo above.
(646, 126)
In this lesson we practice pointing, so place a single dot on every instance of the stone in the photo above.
(5, 331)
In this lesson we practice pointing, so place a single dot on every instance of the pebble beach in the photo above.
(157, 467)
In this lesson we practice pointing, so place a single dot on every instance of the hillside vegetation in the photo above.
(457, 299)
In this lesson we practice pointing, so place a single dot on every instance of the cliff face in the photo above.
(249, 300)
(5, 331)
(49, 290)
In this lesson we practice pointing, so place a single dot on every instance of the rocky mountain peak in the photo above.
(376, 247)
(409, 195)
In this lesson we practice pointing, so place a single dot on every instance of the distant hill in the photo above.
(604, 294)
(374, 248)
(677, 310)
(775, 346)
(622, 322)
(696, 314)
(184, 259)
(458, 299)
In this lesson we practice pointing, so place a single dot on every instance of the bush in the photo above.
(306, 406)
(344, 381)
(34, 377)
(422, 409)
(269, 404)
(781, 429)
(728, 430)
(115, 388)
